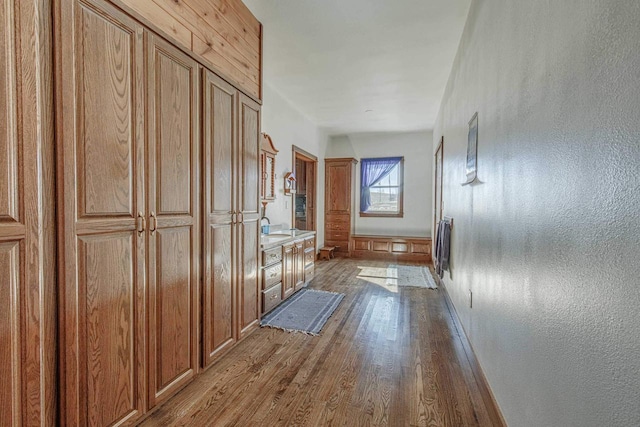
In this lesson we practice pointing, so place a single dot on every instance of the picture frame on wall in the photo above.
(471, 167)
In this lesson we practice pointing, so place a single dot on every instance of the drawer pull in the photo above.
(274, 296)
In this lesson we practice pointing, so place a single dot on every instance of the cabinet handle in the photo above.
(142, 223)
(240, 217)
(154, 223)
(234, 218)
(274, 296)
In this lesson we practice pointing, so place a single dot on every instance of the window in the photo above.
(381, 186)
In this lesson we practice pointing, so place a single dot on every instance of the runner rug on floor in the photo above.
(305, 311)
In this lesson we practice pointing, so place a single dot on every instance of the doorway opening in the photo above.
(305, 169)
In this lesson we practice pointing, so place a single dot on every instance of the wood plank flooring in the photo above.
(387, 357)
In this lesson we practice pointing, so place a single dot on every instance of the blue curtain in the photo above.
(373, 171)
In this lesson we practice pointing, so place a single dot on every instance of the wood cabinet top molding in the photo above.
(222, 34)
(266, 144)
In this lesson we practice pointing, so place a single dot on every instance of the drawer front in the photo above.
(340, 245)
(271, 275)
(310, 243)
(337, 235)
(309, 273)
(337, 218)
(309, 257)
(337, 226)
(271, 297)
(272, 255)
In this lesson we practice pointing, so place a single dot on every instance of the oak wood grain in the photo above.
(386, 357)
(339, 204)
(101, 182)
(219, 317)
(173, 98)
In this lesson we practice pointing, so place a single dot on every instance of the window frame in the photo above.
(400, 186)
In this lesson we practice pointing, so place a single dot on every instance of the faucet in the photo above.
(268, 220)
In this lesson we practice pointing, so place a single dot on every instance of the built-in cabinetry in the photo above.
(130, 186)
(340, 207)
(28, 344)
(287, 268)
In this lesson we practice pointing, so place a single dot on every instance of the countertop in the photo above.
(268, 241)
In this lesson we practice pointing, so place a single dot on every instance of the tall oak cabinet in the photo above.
(158, 215)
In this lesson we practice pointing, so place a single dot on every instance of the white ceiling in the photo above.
(336, 59)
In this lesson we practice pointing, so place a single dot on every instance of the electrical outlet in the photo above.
(470, 299)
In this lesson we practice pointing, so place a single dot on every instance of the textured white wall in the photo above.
(288, 127)
(549, 242)
(417, 149)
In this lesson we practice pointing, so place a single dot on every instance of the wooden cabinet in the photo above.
(219, 317)
(27, 233)
(340, 207)
(173, 203)
(249, 215)
(131, 216)
(231, 306)
(288, 268)
(103, 239)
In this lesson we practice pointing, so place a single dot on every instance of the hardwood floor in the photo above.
(386, 357)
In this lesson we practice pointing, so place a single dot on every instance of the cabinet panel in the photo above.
(288, 270)
(172, 328)
(106, 103)
(8, 121)
(173, 76)
(10, 331)
(249, 282)
(107, 284)
(249, 155)
(219, 319)
(173, 149)
(100, 100)
(338, 185)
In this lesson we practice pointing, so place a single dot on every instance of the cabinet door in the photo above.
(338, 187)
(101, 100)
(27, 249)
(173, 85)
(249, 215)
(288, 269)
(219, 317)
(299, 265)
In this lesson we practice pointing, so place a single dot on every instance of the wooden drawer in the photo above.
(310, 243)
(271, 298)
(337, 226)
(309, 273)
(271, 275)
(309, 257)
(345, 219)
(271, 256)
(336, 235)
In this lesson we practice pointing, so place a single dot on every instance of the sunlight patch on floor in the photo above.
(382, 276)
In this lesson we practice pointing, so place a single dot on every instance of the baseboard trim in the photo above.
(488, 397)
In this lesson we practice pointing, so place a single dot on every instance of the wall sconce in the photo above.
(289, 184)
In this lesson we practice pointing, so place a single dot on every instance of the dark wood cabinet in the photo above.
(288, 269)
(340, 203)
(298, 276)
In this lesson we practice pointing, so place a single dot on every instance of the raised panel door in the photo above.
(249, 215)
(173, 89)
(299, 265)
(338, 187)
(288, 270)
(101, 182)
(219, 317)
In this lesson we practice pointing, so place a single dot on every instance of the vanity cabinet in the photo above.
(287, 268)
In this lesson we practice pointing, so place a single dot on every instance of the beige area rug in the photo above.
(400, 275)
